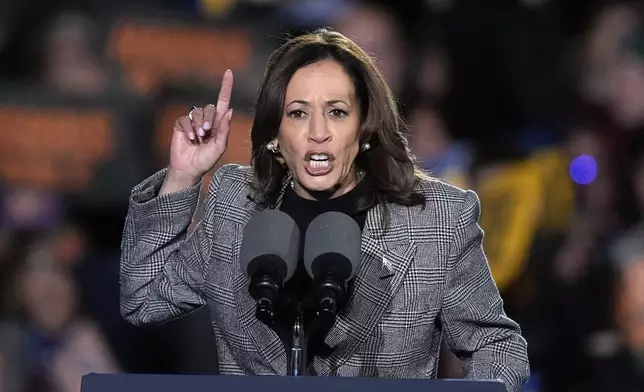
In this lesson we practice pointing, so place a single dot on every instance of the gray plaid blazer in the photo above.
(422, 278)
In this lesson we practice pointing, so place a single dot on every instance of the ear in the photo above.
(278, 155)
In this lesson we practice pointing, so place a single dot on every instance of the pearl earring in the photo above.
(365, 147)
(272, 148)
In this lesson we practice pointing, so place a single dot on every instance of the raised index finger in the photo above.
(226, 91)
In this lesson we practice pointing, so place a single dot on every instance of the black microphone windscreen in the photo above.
(332, 244)
(271, 240)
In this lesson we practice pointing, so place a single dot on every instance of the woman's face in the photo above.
(319, 133)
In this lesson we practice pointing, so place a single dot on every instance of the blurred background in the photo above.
(537, 105)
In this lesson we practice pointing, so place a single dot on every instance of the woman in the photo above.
(58, 345)
(326, 136)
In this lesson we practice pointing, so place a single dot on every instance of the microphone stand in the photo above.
(297, 361)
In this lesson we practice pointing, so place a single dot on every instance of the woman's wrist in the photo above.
(177, 181)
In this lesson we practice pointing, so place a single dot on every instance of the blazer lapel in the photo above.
(264, 339)
(382, 269)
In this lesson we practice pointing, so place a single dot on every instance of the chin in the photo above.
(323, 183)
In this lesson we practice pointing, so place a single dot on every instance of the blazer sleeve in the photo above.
(162, 268)
(477, 328)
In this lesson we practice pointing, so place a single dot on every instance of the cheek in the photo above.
(351, 145)
(291, 144)
(351, 151)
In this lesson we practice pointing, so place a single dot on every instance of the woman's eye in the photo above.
(296, 114)
(338, 113)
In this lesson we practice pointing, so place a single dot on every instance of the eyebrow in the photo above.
(330, 102)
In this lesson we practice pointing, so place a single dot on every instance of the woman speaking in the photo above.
(326, 137)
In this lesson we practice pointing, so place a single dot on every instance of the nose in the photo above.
(318, 129)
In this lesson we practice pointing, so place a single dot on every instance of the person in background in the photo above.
(434, 147)
(59, 345)
(628, 254)
(378, 32)
(70, 63)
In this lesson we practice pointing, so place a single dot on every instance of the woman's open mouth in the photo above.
(318, 164)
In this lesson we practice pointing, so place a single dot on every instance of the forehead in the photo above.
(327, 78)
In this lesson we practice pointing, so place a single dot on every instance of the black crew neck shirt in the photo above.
(298, 288)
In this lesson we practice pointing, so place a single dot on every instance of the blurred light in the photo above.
(583, 169)
(313, 12)
(216, 7)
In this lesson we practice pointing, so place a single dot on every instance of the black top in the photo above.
(297, 289)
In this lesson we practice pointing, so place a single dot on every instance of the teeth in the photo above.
(318, 164)
(319, 157)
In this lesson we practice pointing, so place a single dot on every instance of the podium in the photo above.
(183, 383)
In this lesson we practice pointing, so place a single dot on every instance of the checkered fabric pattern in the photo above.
(423, 277)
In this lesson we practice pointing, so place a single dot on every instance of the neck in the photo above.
(336, 191)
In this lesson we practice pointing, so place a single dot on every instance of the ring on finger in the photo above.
(190, 114)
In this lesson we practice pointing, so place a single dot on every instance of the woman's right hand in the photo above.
(198, 143)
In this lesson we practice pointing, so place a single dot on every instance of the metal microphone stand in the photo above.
(297, 361)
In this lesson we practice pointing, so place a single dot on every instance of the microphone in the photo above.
(269, 256)
(331, 257)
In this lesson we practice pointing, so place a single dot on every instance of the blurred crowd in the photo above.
(537, 105)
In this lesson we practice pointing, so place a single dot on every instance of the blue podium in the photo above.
(182, 383)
